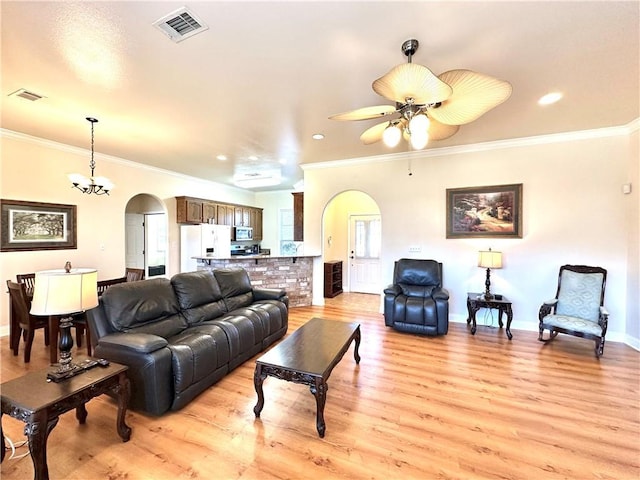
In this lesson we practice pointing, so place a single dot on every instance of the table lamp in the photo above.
(488, 259)
(63, 292)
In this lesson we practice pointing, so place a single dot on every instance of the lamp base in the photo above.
(488, 296)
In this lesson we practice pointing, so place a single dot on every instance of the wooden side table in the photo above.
(38, 403)
(476, 301)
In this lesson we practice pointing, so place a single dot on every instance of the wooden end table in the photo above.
(38, 403)
(476, 301)
(308, 356)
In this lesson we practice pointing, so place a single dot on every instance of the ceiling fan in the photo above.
(427, 107)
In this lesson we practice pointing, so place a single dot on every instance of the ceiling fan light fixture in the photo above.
(429, 107)
(419, 139)
(419, 123)
(392, 135)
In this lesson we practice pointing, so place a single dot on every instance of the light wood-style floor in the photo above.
(453, 407)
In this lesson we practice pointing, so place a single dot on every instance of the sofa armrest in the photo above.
(546, 308)
(260, 293)
(141, 343)
(393, 290)
(150, 371)
(440, 294)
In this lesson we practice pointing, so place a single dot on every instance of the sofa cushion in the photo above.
(147, 306)
(235, 286)
(196, 352)
(199, 296)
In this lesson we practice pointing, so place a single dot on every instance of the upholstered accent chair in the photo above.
(578, 308)
(416, 301)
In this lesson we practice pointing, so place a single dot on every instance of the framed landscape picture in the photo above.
(37, 226)
(492, 212)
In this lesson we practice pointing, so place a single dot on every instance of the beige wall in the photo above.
(35, 170)
(574, 212)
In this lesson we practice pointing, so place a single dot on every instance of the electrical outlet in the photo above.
(102, 247)
(415, 249)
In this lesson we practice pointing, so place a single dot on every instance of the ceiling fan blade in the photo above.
(410, 80)
(440, 131)
(365, 113)
(474, 94)
(374, 134)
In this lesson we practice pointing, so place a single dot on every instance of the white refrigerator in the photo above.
(206, 240)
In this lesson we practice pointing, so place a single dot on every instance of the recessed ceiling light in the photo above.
(222, 157)
(253, 158)
(317, 136)
(550, 98)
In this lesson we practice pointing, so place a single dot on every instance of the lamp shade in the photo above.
(57, 292)
(489, 259)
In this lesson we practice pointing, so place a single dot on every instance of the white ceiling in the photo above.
(266, 75)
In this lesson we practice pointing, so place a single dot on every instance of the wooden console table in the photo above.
(38, 403)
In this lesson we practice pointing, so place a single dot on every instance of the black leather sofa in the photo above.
(416, 301)
(180, 336)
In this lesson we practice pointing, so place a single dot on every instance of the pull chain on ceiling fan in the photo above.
(427, 107)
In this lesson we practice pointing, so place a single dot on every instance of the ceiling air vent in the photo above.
(26, 94)
(180, 24)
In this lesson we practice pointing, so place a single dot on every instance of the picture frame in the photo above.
(493, 211)
(37, 226)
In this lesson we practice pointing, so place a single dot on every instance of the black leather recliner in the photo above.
(416, 301)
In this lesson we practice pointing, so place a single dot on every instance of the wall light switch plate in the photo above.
(415, 249)
(626, 188)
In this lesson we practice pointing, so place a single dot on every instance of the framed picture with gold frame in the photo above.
(37, 226)
(485, 212)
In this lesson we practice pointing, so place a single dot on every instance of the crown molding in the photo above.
(62, 147)
(623, 130)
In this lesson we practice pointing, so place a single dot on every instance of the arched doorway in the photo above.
(146, 235)
(352, 234)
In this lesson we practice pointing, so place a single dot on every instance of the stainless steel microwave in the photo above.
(242, 233)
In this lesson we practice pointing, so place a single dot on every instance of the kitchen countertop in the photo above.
(254, 256)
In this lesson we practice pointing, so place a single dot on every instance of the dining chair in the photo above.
(27, 323)
(134, 274)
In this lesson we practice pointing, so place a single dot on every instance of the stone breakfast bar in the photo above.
(291, 273)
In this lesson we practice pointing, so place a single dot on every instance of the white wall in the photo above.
(573, 212)
(35, 170)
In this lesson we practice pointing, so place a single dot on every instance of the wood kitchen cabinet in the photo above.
(197, 210)
(188, 210)
(242, 216)
(298, 216)
(256, 223)
(225, 214)
(209, 212)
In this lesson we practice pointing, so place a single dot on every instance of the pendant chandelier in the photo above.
(97, 185)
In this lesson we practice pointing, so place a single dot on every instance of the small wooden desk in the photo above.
(308, 356)
(38, 403)
(476, 301)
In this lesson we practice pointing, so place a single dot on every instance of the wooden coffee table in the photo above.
(308, 356)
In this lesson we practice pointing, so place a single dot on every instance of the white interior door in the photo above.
(134, 240)
(364, 253)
